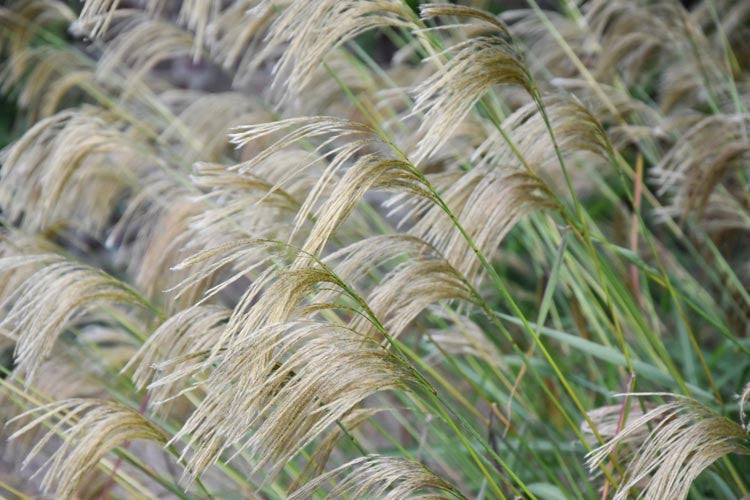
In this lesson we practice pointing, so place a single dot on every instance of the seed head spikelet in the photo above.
(383, 477)
(684, 439)
(52, 299)
(94, 427)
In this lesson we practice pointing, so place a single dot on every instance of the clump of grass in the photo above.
(372, 248)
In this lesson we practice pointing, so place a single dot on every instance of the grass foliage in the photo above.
(375, 249)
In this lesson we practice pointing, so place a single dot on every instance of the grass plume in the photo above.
(374, 248)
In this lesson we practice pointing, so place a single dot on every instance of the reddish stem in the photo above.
(637, 190)
(620, 425)
(105, 491)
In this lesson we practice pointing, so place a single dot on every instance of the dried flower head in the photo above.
(682, 439)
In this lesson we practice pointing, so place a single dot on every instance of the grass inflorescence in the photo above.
(375, 249)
